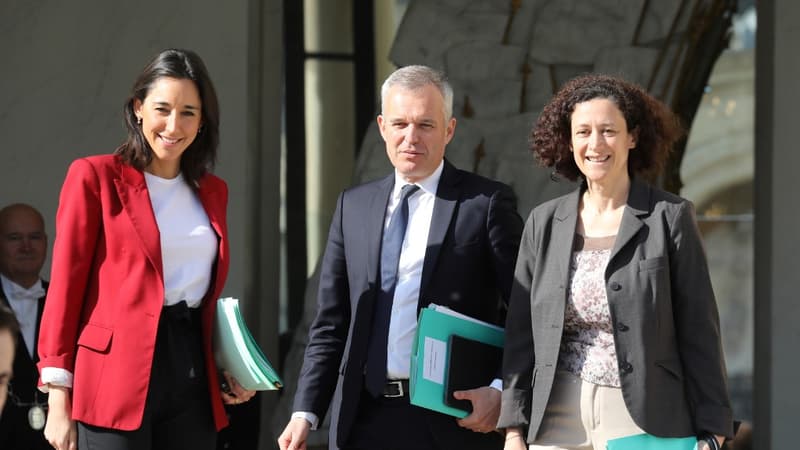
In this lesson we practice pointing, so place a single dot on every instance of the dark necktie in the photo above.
(390, 258)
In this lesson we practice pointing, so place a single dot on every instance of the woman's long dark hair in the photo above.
(201, 154)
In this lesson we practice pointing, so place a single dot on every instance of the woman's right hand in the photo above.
(60, 430)
(515, 440)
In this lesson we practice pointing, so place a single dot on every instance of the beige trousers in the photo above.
(583, 416)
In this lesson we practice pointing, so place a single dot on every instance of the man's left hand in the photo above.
(485, 409)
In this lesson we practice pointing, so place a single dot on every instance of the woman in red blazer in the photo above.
(140, 257)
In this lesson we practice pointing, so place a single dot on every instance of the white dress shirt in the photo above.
(403, 322)
(25, 303)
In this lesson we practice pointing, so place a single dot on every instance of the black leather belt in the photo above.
(395, 388)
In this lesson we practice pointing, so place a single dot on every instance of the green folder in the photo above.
(237, 352)
(430, 351)
(650, 442)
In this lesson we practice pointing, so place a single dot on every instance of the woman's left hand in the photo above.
(237, 394)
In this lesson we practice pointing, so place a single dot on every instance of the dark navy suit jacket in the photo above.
(469, 262)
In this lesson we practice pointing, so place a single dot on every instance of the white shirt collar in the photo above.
(429, 184)
(17, 292)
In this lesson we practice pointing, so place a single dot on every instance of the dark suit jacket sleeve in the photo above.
(518, 355)
(505, 227)
(697, 327)
(328, 332)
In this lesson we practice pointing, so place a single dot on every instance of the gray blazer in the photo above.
(666, 325)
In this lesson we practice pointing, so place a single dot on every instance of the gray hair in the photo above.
(416, 77)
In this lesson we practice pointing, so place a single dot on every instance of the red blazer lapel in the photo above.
(213, 195)
(134, 197)
(214, 205)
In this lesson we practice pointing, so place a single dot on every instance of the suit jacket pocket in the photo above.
(96, 338)
(464, 246)
(659, 262)
(672, 366)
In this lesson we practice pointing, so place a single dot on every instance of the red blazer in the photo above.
(107, 290)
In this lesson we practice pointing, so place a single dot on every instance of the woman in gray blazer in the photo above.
(612, 328)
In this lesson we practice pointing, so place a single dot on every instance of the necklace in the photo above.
(37, 410)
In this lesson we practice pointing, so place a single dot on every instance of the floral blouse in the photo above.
(587, 345)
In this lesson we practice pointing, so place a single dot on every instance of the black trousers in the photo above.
(386, 423)
(392, 423)
(177, 411)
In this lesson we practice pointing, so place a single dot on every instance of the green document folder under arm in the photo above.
(430, 354)
(650, 442)
(237, 352)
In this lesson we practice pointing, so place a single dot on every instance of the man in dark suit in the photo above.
(456, 246)
(23, 247)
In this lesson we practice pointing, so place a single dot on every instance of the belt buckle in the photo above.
(398, 393)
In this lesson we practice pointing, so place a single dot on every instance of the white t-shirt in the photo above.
(188, 243)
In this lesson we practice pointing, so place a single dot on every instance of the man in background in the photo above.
(23, 247)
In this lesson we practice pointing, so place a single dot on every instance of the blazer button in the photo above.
(627, 367)
(622, 327)
(615, 286)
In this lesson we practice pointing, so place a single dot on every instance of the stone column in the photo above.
(777, 221)
(330, 116)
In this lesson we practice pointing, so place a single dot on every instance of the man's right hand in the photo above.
(294, 435)
(60, 431)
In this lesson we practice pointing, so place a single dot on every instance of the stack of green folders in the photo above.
(237, 352)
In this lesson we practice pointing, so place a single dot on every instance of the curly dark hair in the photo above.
(653, 124)
(201, 154)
